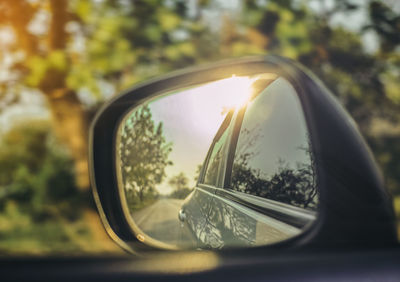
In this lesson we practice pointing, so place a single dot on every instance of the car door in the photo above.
(269, 190)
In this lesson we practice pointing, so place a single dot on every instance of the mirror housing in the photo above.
(354, 207)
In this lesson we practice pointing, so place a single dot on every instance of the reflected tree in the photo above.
(143, 154)
(229, 227)
(198, 171)
(291, 185)
(180, 183)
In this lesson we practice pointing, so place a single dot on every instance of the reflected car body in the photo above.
(245, 192)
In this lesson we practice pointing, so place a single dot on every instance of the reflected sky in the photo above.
(191, 118)
(278, 131)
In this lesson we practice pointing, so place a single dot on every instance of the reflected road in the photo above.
(160, 221)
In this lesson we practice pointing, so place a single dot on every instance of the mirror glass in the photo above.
(223, 164)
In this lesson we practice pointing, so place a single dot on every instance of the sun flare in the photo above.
(232, 92)
(191, 117)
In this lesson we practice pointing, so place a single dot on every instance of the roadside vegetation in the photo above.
(180, 186)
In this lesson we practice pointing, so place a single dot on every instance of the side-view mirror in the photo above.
(252, 152)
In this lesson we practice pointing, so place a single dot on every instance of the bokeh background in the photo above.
(61, 60)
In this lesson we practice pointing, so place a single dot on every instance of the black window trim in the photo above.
(232, 146)
(224, 126)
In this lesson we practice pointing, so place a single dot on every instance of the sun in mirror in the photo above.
(225, 163)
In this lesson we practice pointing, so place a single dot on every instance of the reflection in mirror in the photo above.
(222, 164)
(273, 158)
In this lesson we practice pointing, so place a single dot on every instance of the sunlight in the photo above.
(191, 117)
(232, 92)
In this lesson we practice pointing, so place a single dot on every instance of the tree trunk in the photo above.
(70, 124)
(141, 194)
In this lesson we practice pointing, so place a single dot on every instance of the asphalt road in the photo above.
(160, 221)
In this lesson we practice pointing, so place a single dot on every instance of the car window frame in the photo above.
(225, 126)
(290, 214)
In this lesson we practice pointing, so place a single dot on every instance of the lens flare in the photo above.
(233, 92)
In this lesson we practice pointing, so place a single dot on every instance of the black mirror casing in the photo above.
(354, 207)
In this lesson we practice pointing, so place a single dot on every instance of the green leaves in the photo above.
(35, 173)
(168, 20)
(143, 153)
(39, 67)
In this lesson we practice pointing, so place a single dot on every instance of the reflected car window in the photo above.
(273, 158)
(214, 164)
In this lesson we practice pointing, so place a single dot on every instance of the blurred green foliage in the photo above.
(36, 173)
(40, 207)
(90, 44)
